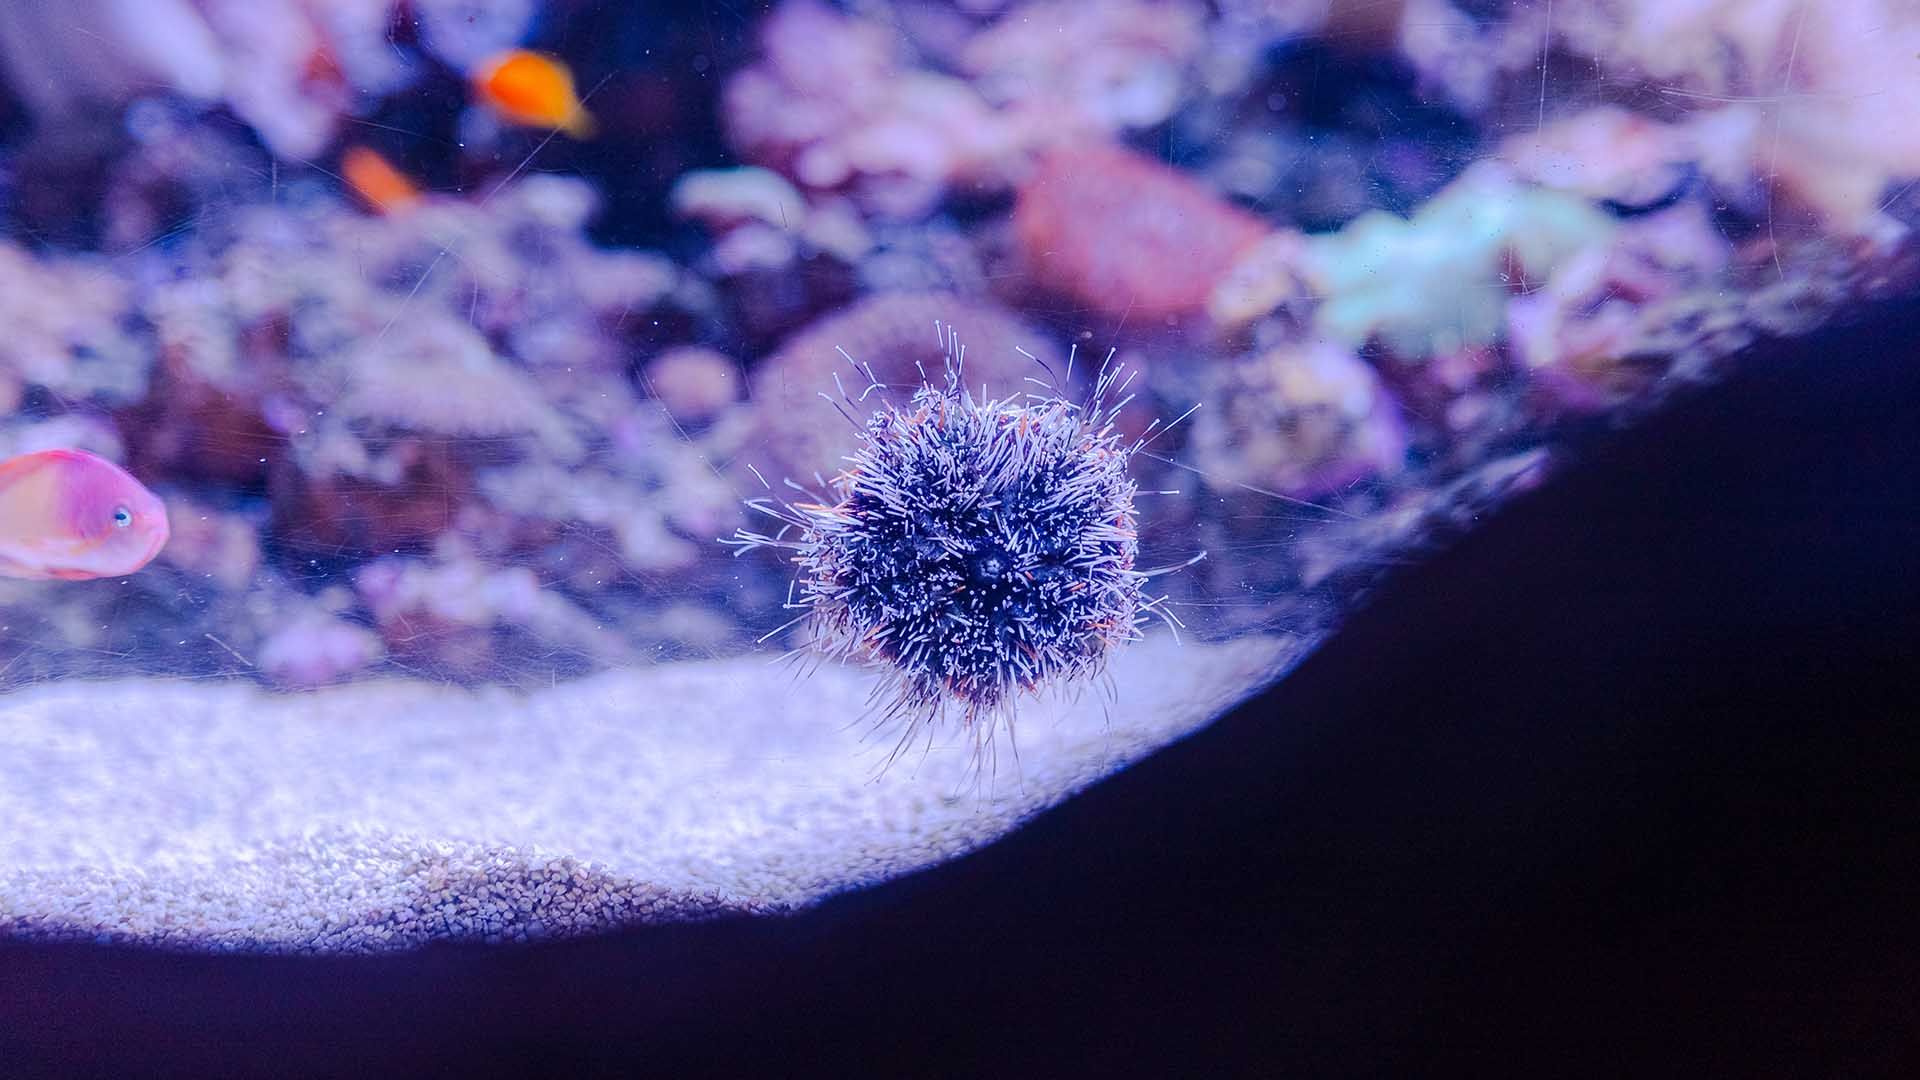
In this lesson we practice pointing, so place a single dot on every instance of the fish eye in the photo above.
(122, 517)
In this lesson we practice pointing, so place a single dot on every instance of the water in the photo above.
(453, 410)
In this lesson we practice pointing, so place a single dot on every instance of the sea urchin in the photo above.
(971, 548)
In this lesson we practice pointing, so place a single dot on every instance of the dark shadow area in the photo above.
(1624, 779)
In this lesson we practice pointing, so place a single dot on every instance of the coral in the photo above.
(658, 505)
(1269, 275)
(340, 497)
(460, 379)
(1716, 46)
(1125, 234)
(70, 431)
(475, 397)
(833, 104)
(895, 336)
(68, 58)
(779, 255)
(1244, 30)
(1607, 154)
(212, 545)
(67, 329)
(1799, 96)
(445, 612)
(440, 377)
(1439, 280)
(928, 257)
(838, 103)
(1433, 283)
(1302, 420)
(174, 171)
(315, 648)
(365, 365)
(723, 198)
(290, 68)
(694, 384)
(1470, 59)
(1061, 70)
(1577, 328)
(974, 549)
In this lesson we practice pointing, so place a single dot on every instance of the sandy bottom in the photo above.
(385, 815)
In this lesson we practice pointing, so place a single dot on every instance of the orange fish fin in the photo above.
(580, 125)
(376, 181)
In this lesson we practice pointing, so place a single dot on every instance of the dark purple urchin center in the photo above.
(977, 549)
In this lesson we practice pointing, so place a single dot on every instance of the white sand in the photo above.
(220, 816)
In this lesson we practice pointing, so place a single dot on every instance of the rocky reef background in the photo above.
(1401, 255)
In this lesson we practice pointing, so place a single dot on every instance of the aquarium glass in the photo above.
(504, 469)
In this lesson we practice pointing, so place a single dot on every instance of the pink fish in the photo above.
(68, 514)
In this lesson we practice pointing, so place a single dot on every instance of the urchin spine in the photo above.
(973, 548)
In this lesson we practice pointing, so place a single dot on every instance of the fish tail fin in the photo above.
(580, 124)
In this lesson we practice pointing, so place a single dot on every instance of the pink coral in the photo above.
(1605, 152)
(694, 384)
(1127, 235)
(315, 648)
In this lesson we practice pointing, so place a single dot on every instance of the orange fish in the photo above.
(534, 90)
(68, 514)
(374, 179)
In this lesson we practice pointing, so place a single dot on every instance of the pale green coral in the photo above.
(1439, 281)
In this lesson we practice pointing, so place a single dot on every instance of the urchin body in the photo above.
(977, 550)
(974, 550)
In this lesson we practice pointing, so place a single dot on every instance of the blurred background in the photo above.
(447, 329)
